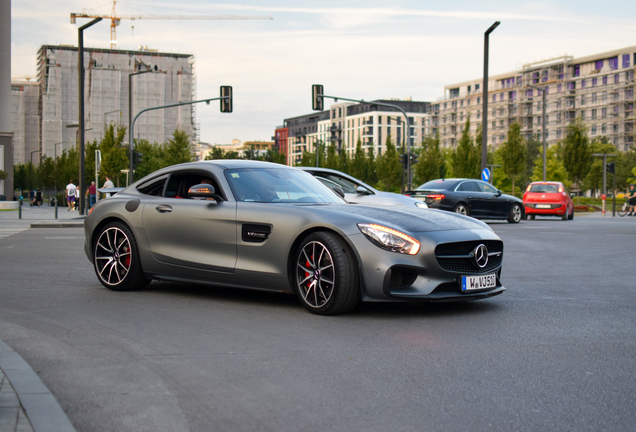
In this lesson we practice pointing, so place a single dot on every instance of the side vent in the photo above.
(252, 233)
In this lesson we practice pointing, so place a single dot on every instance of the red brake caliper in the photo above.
(307, 273)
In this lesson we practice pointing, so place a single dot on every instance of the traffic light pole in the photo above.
(132, 125)
(605, 155)
(404, 134)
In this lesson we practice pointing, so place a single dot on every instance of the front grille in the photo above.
(457, 257)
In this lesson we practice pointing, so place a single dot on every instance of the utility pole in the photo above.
(605, 155)
(484, 124)
(544, 91)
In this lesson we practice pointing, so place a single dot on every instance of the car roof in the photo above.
(546, 182)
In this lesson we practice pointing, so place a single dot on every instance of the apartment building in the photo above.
(106, 94)
(25, 122)
(598, 88)
(346, 123)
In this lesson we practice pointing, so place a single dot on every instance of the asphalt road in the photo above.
(557, 351)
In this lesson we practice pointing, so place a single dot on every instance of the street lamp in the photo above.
(544, 91)
(131, 142)
(80, 74)
(484, 123)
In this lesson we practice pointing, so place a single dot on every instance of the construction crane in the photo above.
(115, 19)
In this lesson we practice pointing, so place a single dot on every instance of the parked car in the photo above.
(548, 199)
(258, 225)
(470, 197)
(358, 192)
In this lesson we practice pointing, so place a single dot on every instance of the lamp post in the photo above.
(544, 91)
(80, 75)
(484, 124)
(131, 138)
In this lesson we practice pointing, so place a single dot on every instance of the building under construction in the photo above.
(598, 88)
(171, 80)
(25, 121)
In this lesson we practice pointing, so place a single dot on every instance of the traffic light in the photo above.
(137, 158)
(317, 101)
(403, 160)
(226, 104)
(415, 158)
(611, 167)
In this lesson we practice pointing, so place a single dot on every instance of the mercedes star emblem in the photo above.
(480, 254)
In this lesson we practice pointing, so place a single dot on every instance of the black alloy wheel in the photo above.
(116, 259)
(515, 214)
(325, 275)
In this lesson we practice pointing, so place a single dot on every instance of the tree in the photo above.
(371, 176)
(216, 153)
(152, 158)
(178, 149)
(533, 146)
(466, 160)
(114, 154)
(273, 155)
(513, 154)
(576, 153)
(358, 167)
(389, 169)
(594, 178)
(555, 170)
(431, 163)
(332, 160)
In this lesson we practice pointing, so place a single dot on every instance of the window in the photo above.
(494, 98)
(603, 112)
(603, 129)
(605, 80)
(615, 128)
(577, 70)
(604, 97)
(617, 79)
(501, 96)
(593, 129)
(485, 187)
(468, 186)
(571, 85)
(613, 63)
(594, 99)
(582, 100)
(476, 86)
(594, 82)
(598, 64)
(478, 100)
(154, 187)
(558, 134)
(583, 114)
(593, 116)
(559, 88)
(625, 61)
(583, 83)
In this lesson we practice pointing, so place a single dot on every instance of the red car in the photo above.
(548, 199)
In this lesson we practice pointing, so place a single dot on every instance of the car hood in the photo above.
(410, 219)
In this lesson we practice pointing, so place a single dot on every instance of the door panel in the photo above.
(192, 233)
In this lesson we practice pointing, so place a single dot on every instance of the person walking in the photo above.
(91, 193)
(108, 184)
(70, 195)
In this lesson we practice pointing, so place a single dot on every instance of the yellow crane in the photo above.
(115, 19)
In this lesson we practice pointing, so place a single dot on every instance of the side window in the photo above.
(179, 183)
(488, 188)
(154, 188)
(468, 186)
(346, 185)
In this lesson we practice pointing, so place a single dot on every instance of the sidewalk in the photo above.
(26, 404)
(45, 212)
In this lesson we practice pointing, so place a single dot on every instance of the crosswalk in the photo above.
(6, 232)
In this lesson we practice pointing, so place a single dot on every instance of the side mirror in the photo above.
(203, 192)
(339, 191)
(499, 193)
(361, 190)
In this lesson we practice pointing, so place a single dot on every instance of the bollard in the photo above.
(20, 209)
(56, 209)
(603, 197)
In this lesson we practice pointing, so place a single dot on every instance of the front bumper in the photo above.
(400, 277)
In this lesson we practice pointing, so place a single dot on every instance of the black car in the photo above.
(470, 197)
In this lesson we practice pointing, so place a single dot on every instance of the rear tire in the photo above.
(116, 259)
(515, 214)
(530, 217)
(325, 275)
(623, 210)
(571, 215)
(462, 208)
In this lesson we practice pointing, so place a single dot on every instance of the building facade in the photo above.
(25, 121)
(597, 88)
(106, 94)
(344, 124)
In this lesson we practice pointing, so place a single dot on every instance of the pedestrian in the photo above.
(77, 199)
(70, 195)
(108, 184)
(631, 196)
(91, 193)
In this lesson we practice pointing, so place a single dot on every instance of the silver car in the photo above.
(358, 192)
(259, 225)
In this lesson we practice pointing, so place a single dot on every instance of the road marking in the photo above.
(6, 232)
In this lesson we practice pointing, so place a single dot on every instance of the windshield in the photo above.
(278, 185)
(544, 188)
(438, 184)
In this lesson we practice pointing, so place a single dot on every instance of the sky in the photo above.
(357, 49)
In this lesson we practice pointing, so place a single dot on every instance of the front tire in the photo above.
(461, 208)
(325, 275)
(515, 214)
(116, 259)
(623, 210)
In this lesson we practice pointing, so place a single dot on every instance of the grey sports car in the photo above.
(265, 226)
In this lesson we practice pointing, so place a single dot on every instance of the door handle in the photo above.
(164, 208)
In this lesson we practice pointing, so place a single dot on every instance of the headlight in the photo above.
(421, 204)
(390, 239)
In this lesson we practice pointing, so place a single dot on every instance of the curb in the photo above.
(58, 225)
(41, 407)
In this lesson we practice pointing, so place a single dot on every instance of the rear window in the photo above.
(438, 184)
(544, 188)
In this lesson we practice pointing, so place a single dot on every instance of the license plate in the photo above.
(471, 283)
(545, 206)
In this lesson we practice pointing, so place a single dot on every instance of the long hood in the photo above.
(410, 219)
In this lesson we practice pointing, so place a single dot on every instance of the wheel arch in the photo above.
(99, 227)
(350, 249)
